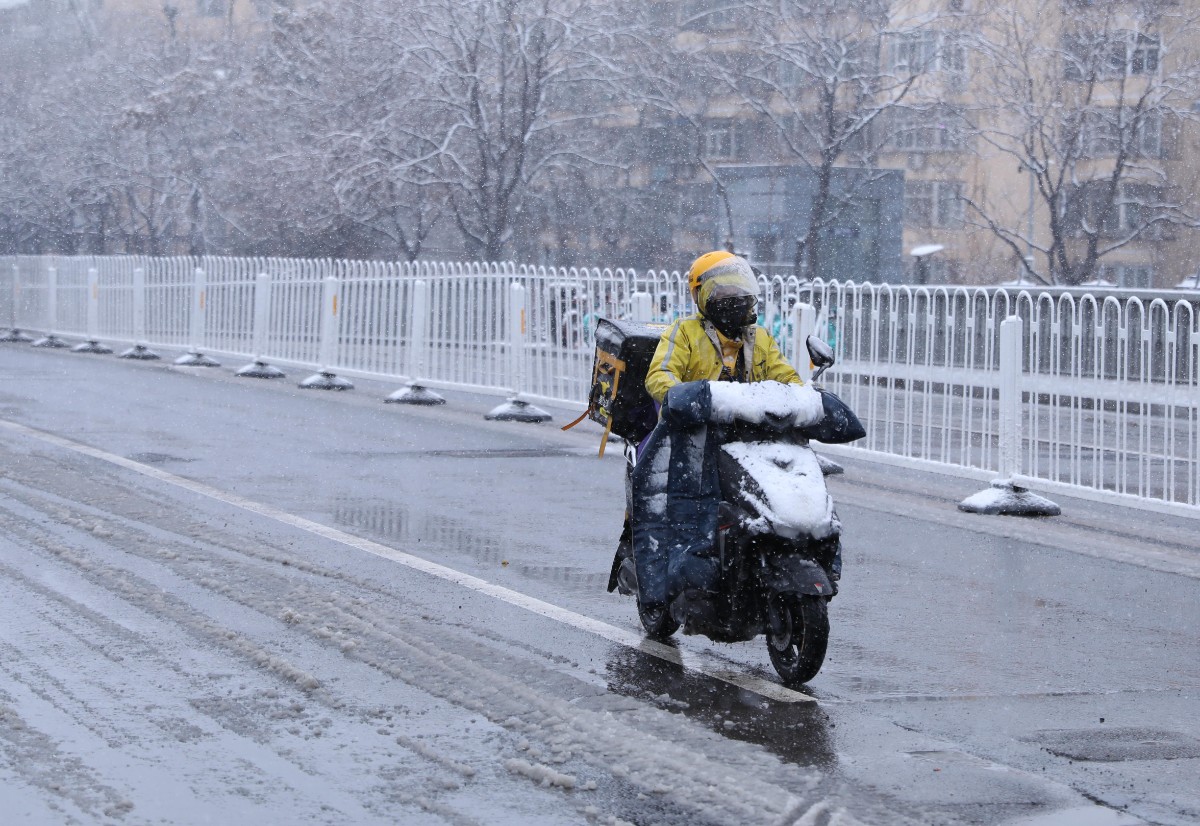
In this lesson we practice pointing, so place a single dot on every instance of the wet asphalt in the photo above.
(980, 670)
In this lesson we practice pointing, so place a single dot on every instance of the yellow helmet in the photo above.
(703, 264)
(725, 289)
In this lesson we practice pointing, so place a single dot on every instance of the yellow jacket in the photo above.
(690, 350)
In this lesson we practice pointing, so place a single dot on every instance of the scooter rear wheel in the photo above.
(798, 651)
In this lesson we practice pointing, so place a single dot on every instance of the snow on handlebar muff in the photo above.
(767, 403)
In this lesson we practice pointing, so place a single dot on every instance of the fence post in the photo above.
(51, 339)
(258, 368)
(199, 318)
(1006, 496)
(517, 409)
(643, 307)
(139, 351)
(14, 335)
(414, 392)
(92, 345)
(325, 378)
(804, 324)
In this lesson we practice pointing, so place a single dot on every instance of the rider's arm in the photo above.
(670, 359)
(773, 367)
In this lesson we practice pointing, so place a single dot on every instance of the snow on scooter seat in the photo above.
(795, 501)
(760, 402)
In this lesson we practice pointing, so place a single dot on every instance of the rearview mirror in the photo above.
(819, 353)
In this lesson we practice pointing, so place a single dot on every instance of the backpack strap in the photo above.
(607, 366)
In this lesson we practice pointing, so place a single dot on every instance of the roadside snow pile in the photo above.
(795, 501)
(797, 404)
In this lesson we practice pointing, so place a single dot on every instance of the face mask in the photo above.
(732, 315)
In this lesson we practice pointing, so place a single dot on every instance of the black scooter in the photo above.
(777, 541)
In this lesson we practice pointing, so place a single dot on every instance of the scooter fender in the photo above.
(796, 575)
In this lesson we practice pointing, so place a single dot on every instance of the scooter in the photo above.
(777, 538)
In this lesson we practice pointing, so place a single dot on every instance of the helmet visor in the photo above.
(729, 279)
(732, 314)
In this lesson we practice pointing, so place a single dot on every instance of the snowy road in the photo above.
(232, 601)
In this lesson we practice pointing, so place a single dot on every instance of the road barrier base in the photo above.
(1005, 498)
(15, 336)
(53, 342)
(260, 370)
(92, 346)
(516, 410)
(414, 394)
(196, 359)
(325, 381)
(140, 352)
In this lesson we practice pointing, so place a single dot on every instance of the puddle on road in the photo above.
(1114, 745)
(537, 453)
(151, 458)
(800, 733)
(498, 453)
(397, 524)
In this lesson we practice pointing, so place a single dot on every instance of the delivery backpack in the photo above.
(618, 398)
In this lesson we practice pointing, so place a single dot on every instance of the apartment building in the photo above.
(52, 19)
(1032, 140)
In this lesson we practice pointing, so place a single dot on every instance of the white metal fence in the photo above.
(1110, 391)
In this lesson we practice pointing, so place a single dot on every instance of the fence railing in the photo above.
(1110, 384)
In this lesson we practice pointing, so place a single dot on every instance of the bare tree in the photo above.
(1085, 99)
(825, 84)
(348, 105)
(514, 82)
(676, 88)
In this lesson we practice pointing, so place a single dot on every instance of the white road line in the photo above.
(764, 688)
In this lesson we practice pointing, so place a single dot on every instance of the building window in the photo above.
(1132, 213)
(1102, 133)
(930, 51)
(936, 204)
(718, 141)
(1110, 55)
(1129, 276)
(935, 130)
(212, 8)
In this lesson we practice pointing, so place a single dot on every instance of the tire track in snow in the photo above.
(147, 597)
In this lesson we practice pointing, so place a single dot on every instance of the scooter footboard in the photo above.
(796, 575)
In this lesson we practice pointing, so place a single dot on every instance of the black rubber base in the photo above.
(260, 370)
(92, 347)
(325, 381)
(515, 410)
(196, 360)
(140, 352)
(414, 394)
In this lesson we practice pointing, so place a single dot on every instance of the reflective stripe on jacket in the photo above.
(689, 350)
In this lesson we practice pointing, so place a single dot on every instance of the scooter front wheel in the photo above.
(658, 622)
(798, 650)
